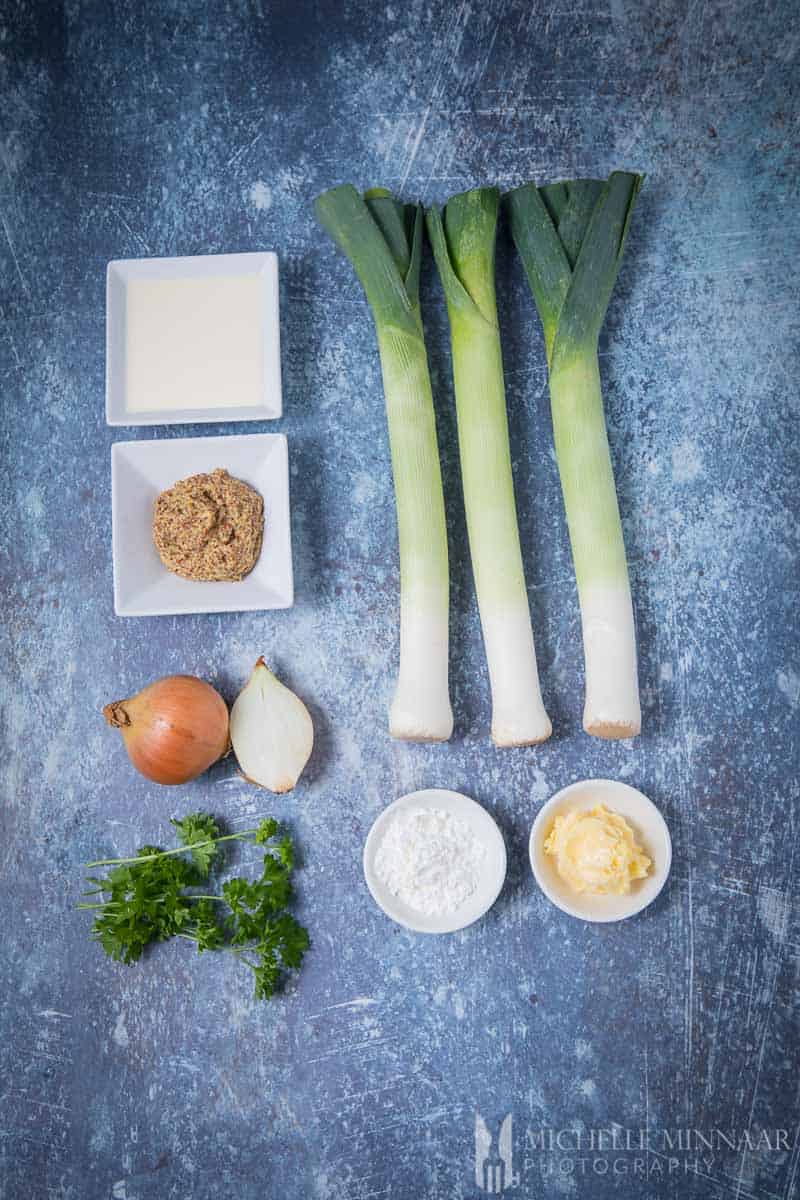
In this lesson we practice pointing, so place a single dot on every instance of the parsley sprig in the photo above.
(153, 896)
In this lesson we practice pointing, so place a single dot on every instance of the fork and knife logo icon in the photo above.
(494, 1168)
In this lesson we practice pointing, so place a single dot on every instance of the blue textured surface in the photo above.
(134, 130)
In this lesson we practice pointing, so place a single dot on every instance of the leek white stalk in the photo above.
(463, 245)
(570, 237)
(383, 240)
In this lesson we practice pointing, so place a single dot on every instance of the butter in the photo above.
(596, 852)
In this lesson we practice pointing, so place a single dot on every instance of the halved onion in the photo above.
(271, 731)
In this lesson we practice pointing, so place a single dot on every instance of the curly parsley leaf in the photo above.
(266, 830)
(199, 832)
(286, 852)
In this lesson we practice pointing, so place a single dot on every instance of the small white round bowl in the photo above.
(646, 822)
(492, 877)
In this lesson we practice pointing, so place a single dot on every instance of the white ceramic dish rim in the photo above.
(645, 891)
(483, 826)
(212, 597)
(260, 262)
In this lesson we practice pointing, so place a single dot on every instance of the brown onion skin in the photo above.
(174, 728)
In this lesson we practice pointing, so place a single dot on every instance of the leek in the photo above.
(570, 237)
(463, 242)
(383, 240)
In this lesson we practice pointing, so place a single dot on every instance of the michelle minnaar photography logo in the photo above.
(645, 1154)
(494, 1155)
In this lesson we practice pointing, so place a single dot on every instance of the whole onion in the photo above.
(174, 729)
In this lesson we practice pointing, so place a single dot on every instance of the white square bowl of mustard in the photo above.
(141, 471)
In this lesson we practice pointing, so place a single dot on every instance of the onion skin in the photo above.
(174, 728)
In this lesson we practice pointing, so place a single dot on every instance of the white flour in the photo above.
(430, 860)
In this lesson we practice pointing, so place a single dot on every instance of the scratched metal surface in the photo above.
(129, 131)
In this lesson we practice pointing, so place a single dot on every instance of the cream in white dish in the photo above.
(193, 339)
(194, 343)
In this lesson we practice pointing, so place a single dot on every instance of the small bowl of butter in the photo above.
(600, 850)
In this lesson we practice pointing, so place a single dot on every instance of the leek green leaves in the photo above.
(570, 237)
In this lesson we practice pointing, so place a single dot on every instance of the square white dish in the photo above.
(143, 587)
(205, 326)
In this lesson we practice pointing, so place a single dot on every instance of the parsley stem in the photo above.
(156, 900)
(240, 954)
(229, 837)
